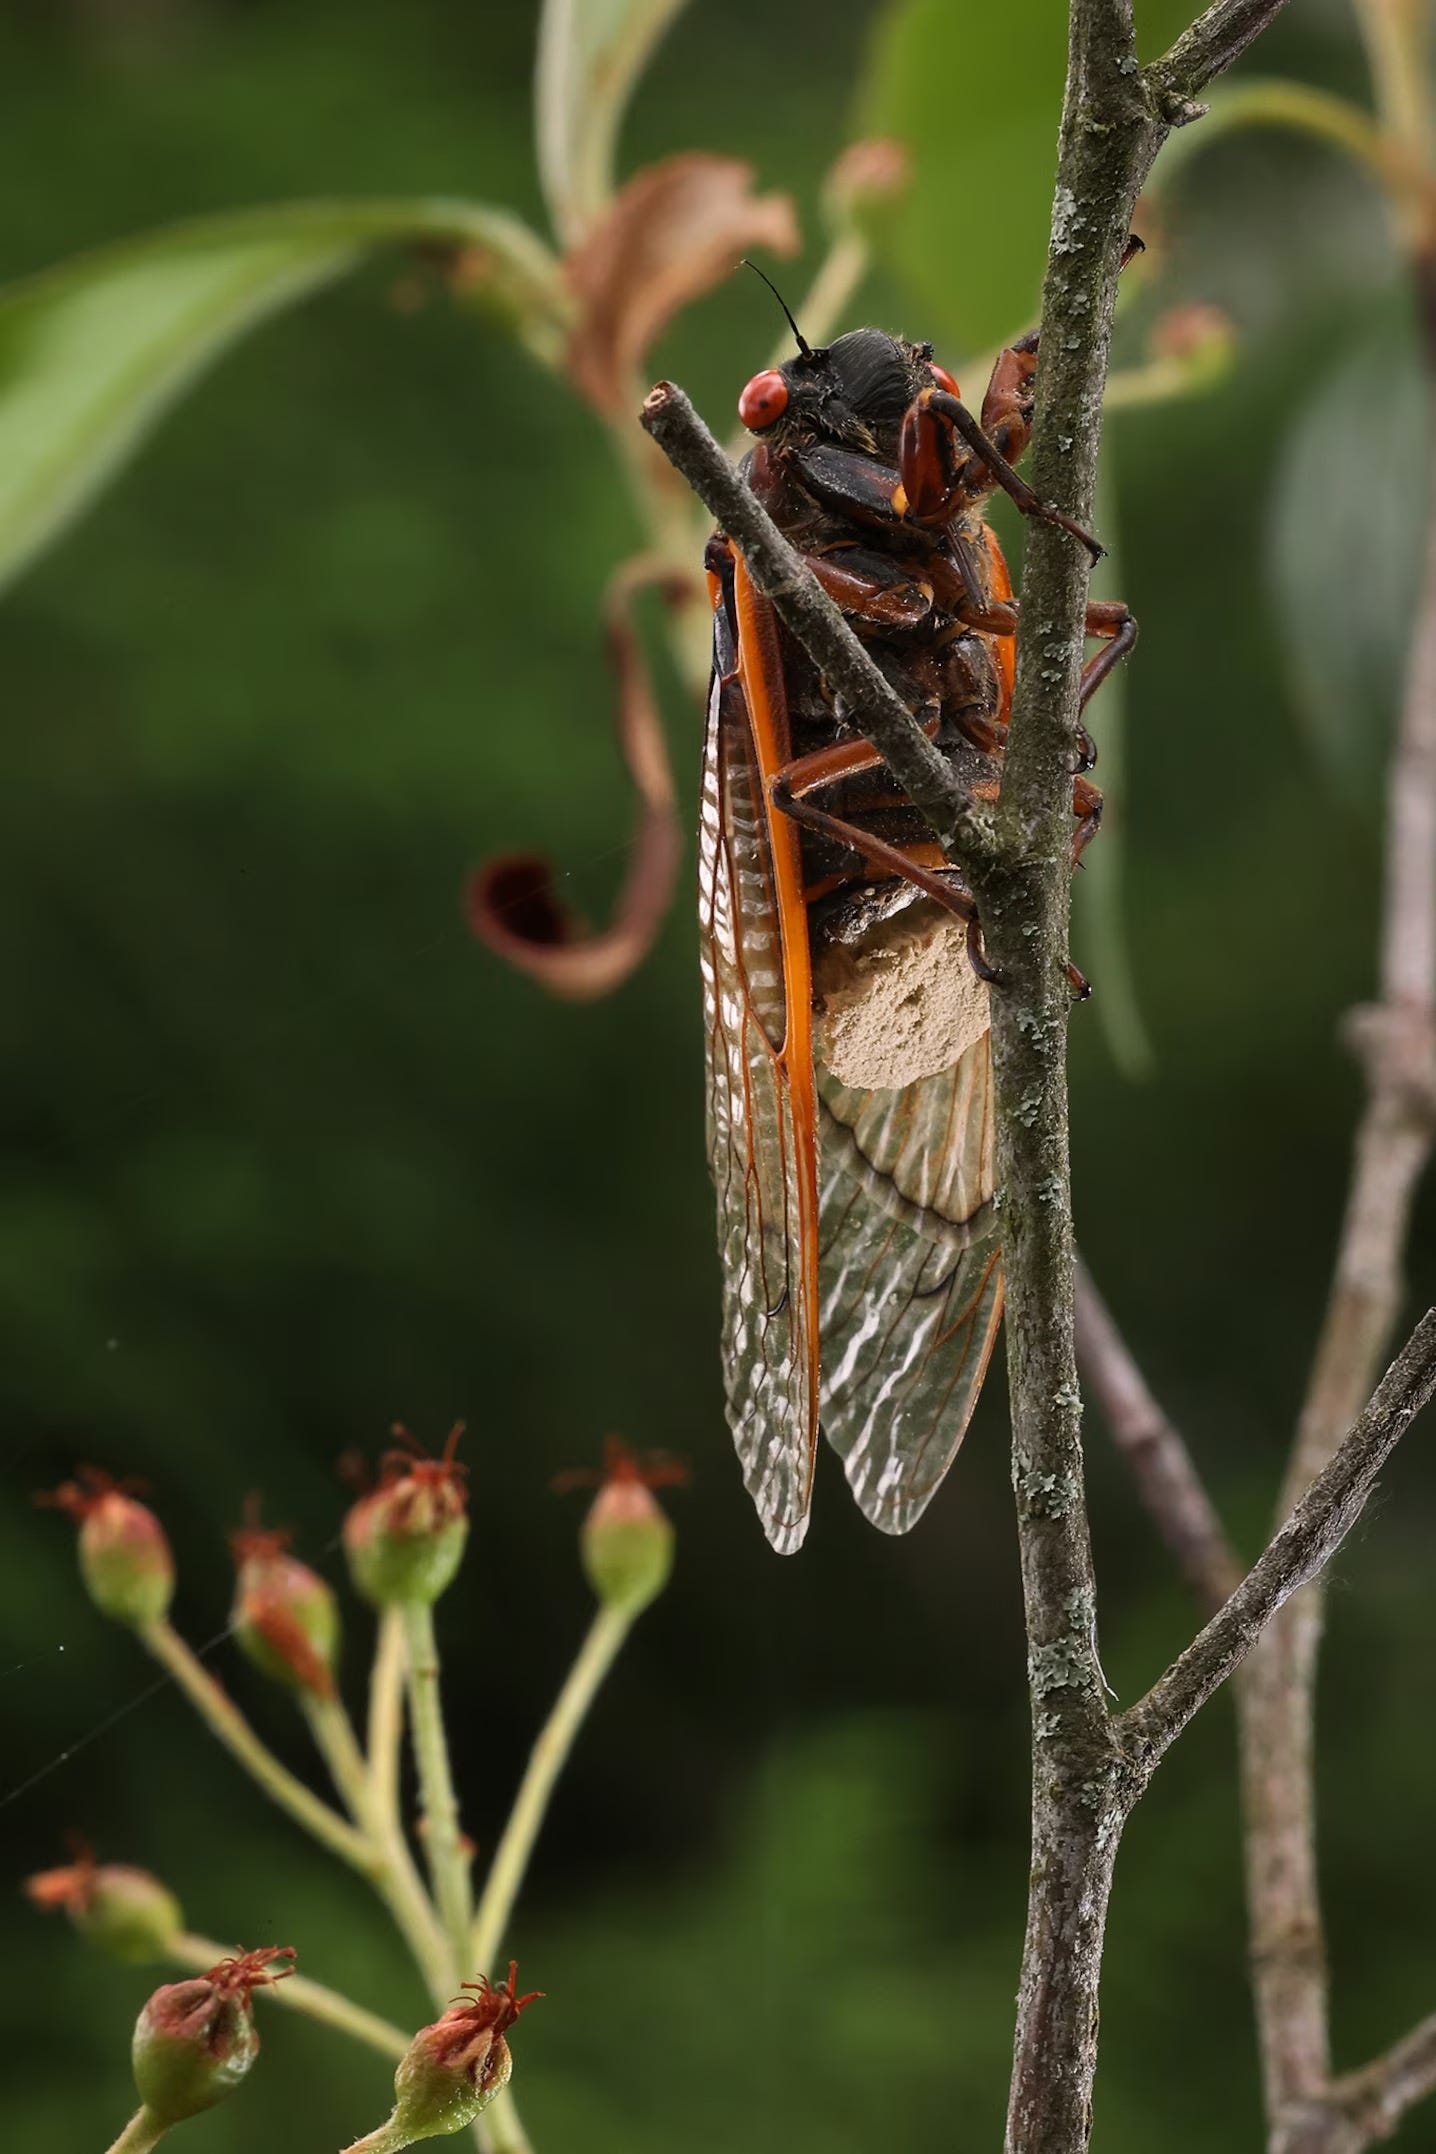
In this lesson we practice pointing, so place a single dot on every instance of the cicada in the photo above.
(850, 1099)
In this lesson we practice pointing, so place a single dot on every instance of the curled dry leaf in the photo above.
(677, 229)
(511, 902)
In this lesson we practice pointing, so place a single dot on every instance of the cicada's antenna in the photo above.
(803, 345)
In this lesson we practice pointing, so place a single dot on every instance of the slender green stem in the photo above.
(143, 2131)
(337, 1744)
(390, 2138)
(500, 2129)
(596, 1656)
(224, 1720)
(392, 1870)
(386, 1714)
(448, 1864)
(300, 1994)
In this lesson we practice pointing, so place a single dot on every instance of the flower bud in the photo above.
(626, 1541)
(866, 175)
(125, 1559)
(284, 1615)
(453, 2069)
(1200, 337)
(195, 2040)
(126, 1912)
(405, 1538)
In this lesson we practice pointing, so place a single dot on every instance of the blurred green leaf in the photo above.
(978, 102)
(1344, 583)
(591, 54)
(94, 352)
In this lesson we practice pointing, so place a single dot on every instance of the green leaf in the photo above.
(975, 91)
(590, 56)
(1346, 588)
(94, 352)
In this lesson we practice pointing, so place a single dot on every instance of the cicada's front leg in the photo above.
(949, 461)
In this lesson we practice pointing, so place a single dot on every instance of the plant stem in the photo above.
(337, 1744)
(386, 1715)
(394, 1875)
(447, 1863)
(300, 1994)
(596, 1656)
(224, 1720)
(141, 2133)
(1315, 1529)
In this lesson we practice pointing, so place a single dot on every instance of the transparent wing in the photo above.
(761, 1098)
(910, 1277)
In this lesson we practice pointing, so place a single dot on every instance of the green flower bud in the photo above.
(195, 2040)
(284, 1615)
(626, 1541)
(405, 1538)
(453, 2069)
(126, 1912)
(125, 1559)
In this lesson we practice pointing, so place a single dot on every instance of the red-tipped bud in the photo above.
(125, 1559)
(195, 2040)
(124, 1911)
(284, 1615)
(405, 1538)
(626, 1541)
(865, 175)
(453, 2069)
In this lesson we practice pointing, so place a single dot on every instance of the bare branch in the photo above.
(1276, 1695)
(1167, 1481)
(1207, 50)
(780, 573)
(1377, 2097)
(1316, 1528)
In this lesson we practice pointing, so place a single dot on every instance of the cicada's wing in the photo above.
(761, 1093)
(910, 1277)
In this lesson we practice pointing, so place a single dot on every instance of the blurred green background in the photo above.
(288, 1156)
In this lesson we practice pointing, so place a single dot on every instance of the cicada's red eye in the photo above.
(764, 400)
(943, 379)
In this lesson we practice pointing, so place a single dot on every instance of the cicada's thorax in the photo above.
(899, 586)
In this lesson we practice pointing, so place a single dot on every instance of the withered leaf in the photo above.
(677, 229)
(511, 902)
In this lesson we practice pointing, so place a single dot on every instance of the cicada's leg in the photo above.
(939, 480)
(787, 790)
(1110, 618)
(1087, 810)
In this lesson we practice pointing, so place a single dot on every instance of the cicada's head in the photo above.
(852, 391)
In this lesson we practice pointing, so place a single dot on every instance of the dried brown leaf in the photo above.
(511, 902)
(677, 229)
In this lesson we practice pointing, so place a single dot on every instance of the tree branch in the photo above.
(781, 575)
(1375, 2099)
(1315, 1529)
(1167, 1481)
(1214, 42)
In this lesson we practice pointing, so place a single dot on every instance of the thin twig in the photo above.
(443, 1842)
(1167, 1481)
(815, 621)
(224, 1720)
(596, 1656)
(141, 2135)
(1215, 42)
(314, 1999)
(386, 1715)
(1322, 1519)
(1376, 2098)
